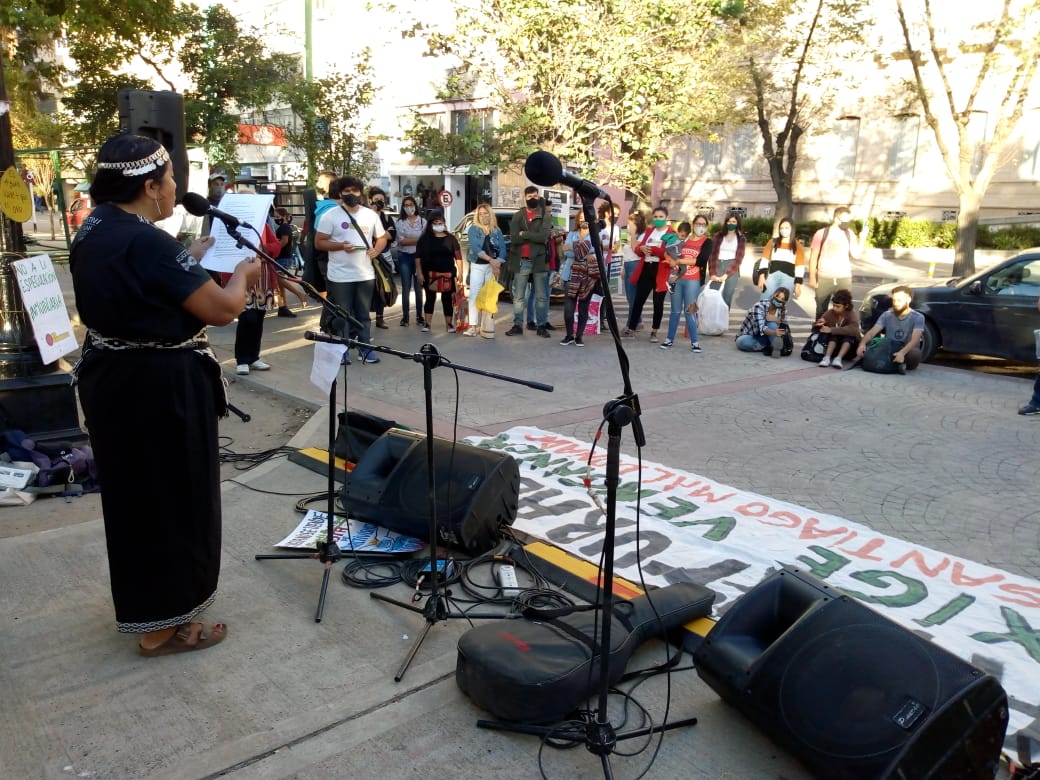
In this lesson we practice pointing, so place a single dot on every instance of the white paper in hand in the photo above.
(223, 256)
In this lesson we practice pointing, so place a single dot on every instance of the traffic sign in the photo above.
(444, 197)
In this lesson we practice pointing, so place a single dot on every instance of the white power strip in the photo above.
(507, 581)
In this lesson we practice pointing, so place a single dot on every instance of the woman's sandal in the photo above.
(184, 640)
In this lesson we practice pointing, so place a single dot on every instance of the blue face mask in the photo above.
(778, 302)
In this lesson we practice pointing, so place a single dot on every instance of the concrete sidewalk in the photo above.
(937, 457)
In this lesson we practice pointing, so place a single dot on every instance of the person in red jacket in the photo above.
(651, 271)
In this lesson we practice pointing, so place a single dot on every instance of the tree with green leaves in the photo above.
(232, 71)
(604, 85)
(327, 127)
(972, 91)
(785, 60)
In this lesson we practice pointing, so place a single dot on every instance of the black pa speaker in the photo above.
(849, 692)
(159, 116)
(476, 490)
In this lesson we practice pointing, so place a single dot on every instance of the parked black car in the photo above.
(992, 312)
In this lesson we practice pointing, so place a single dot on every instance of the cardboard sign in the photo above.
(44, 304)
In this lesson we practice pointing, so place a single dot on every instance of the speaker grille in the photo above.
(839, 695)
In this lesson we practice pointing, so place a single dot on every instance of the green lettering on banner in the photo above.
(565, 469)
(914, 591)
(949, 610)
(721, 527)
(682, 507)
(830, 563)
(1020, 633)
(628, 491)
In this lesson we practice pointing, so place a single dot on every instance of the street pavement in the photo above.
(937, 457)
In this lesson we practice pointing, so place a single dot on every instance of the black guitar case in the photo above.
(537, 671)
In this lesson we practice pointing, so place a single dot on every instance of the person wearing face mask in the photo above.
(148, 380)
(651, 272)
(782, 263)
(352, 235)
(409, 230)
(831, 254)
(691, 268)
(765, 327)
(727, 253)
(486, 253)
(377, 199)
(529, 233)
(438, 266)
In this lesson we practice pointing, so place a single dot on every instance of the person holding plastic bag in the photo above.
(486, 252)
(691, 268)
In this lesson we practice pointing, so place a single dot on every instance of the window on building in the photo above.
(978, 134)
(846, 131)
(1029, 167)
(902, 154)
(711, 152)
(744, 143)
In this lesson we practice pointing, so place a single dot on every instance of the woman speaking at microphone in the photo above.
(151, 392)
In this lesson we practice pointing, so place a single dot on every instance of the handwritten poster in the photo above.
(45, 306)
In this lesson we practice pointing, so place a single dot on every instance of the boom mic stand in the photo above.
(600, 737)
(328, 551)
(437, 607)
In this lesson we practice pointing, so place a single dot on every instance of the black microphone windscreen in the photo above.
(195, 204)
(543, 168)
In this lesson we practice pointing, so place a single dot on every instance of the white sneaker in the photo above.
(259, 365)
(824, 363)
(837, 364)
(242, 369)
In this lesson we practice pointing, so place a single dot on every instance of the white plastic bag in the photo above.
(712, 311)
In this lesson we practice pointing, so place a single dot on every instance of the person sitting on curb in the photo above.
(840, 323)
(765, 327)
(903, 326)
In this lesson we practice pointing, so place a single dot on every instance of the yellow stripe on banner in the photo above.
(589, 573)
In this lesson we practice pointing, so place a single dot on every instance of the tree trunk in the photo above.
(967, 231)
(781, 181)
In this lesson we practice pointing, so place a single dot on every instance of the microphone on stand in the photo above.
(196, 204)
(546, 170)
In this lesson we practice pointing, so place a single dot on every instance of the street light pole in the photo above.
(36, 399)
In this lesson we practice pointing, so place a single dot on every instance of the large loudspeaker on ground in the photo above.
(849, 692)
(477, 490)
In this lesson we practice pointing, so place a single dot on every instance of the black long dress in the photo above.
(151, 409)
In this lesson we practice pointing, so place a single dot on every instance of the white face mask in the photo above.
(409, 210)
(785, 232)
(438, 227)
(699, 230)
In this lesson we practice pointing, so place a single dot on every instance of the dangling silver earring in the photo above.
(158, 210)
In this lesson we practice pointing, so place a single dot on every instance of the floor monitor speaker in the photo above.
(477, 490)
(849, 692)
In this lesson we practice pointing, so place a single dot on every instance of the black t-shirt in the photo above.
(437, 254)
(287, 231)
(131, 278)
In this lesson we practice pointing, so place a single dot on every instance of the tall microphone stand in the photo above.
(437, 606)
(327, 551)
(600, 737)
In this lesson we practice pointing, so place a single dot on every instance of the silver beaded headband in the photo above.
(138, 167)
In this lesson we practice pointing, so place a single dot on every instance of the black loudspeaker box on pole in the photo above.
(477, 490)
(159, 116)
(847, 691)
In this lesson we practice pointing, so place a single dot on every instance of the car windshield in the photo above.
(1021, 278)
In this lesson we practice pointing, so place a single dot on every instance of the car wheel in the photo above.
(930, 342)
